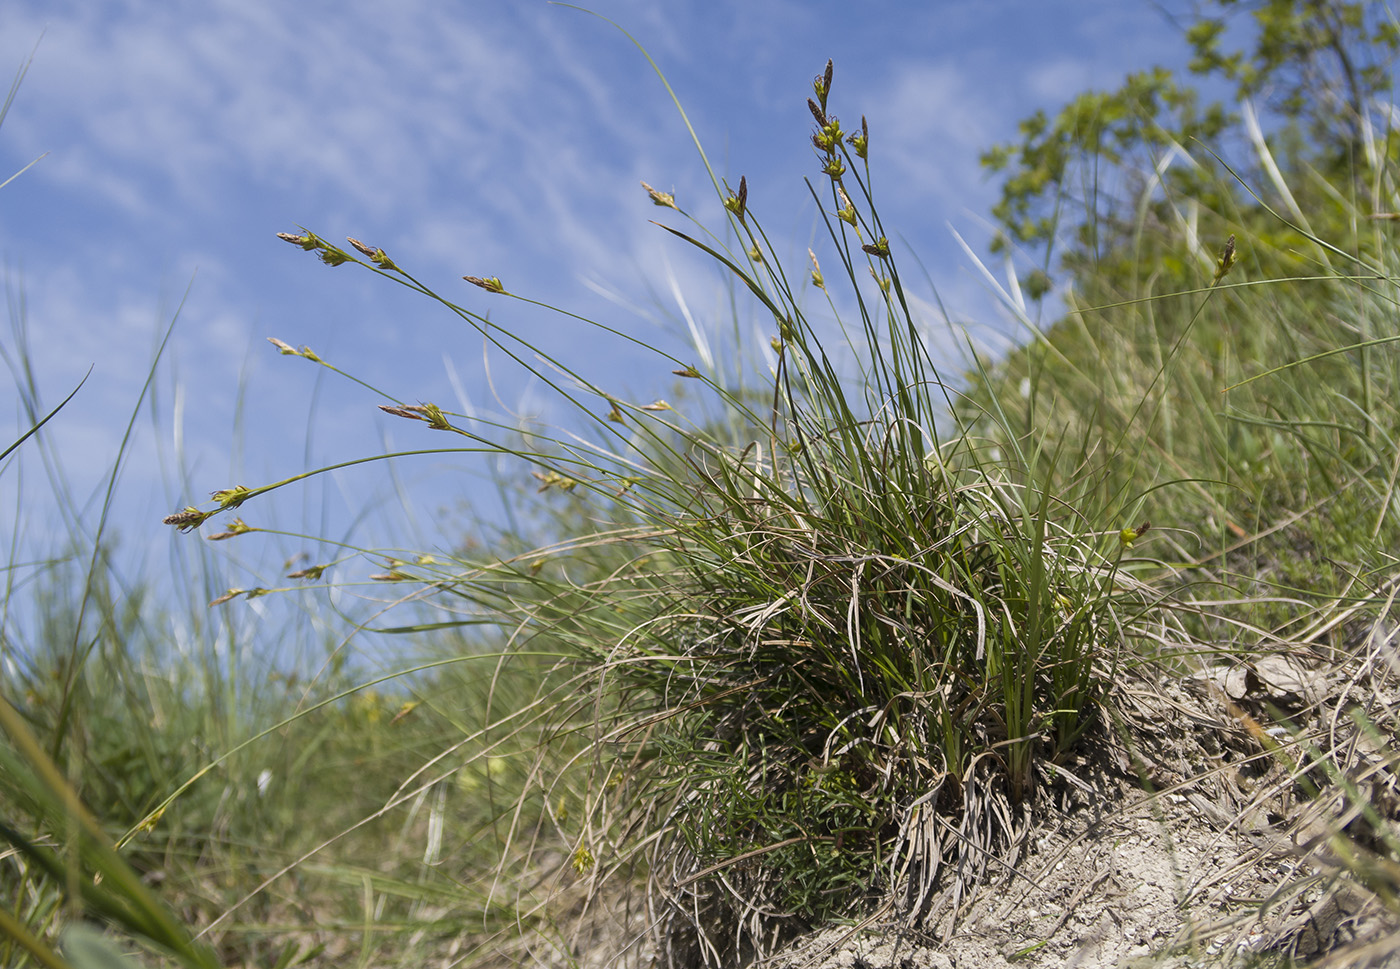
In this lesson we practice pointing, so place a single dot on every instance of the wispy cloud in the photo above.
(492, 139)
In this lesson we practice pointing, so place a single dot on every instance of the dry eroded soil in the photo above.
(1225, 849)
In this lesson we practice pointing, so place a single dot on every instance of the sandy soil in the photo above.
(1233, 860)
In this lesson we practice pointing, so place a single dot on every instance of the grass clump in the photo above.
(821, 644)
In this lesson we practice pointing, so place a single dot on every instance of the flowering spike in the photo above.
(553, 479)
(690, 372)
(880, 248)
(666, 200)
(489, 283)
(235, 528)
(821, 84)
(310, 574)
(376, 256)
(185, 520)
(287, 350)
(817, 112)
(817, 279)
(738, 202)
(1128, 536)
(309, 241)
(230, 498)
(252, 593)
(1226, 262)
(582, 861)
(861, 142)
(332, 256)
(433, 414)
(401, 412)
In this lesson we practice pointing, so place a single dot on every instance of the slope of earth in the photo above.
(1205, 832)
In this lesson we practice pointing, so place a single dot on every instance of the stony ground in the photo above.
(1154, 886)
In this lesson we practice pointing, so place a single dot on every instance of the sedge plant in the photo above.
(820, 646)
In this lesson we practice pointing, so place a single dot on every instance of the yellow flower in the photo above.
(1130, 535)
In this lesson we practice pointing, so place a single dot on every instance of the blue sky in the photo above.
(494, 139)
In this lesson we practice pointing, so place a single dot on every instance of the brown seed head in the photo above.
(377, 256)
(880, 248)
(183, 521)
(489, 283)
(311, 574)
(1226, 262)
(308, 241)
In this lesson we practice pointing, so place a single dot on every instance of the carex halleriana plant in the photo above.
(827, 634)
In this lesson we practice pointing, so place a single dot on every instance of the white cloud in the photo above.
(1059, 80)
(370, 102)
(934, 119)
